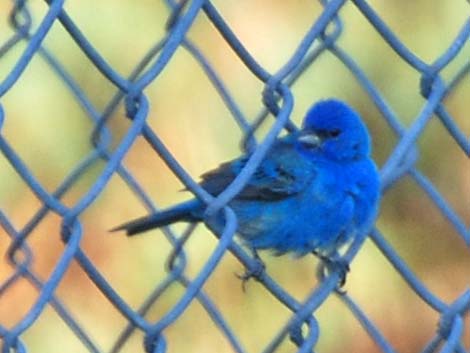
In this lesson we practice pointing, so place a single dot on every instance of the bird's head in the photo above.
(334, 130)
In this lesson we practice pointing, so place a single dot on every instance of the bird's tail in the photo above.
(182, 212)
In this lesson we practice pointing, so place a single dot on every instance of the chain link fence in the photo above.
(112, 139)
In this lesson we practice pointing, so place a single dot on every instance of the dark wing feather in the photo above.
(281, 174)
(215, 181)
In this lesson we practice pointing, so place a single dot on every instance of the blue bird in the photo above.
(315, 190)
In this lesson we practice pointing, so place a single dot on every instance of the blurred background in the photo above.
(51, 133)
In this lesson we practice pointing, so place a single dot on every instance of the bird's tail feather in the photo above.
(181, 212)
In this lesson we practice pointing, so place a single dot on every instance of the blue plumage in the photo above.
(315, 190)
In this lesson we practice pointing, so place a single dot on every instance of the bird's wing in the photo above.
(281, 174)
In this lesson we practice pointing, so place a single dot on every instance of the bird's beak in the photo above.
(311, 139)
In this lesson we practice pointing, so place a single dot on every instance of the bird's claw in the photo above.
(256, 272)
(343, 267)
(335, 263)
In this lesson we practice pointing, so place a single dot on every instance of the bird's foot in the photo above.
(334, 263)
(256, 271)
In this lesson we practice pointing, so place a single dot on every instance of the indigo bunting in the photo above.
(315, 190)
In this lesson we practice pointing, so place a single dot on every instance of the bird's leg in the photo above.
(334, 262)
(255, 271)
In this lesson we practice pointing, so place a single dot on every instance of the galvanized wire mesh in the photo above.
(323, 36)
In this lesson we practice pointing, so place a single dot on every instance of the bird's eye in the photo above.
(334, 133)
